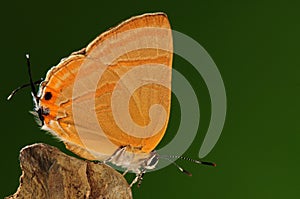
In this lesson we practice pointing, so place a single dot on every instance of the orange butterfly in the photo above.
(111, 100)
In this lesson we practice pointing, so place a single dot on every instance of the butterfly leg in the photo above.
(125, 172)
(134, 181)
(139, 178)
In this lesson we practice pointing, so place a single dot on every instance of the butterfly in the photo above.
(110, 101)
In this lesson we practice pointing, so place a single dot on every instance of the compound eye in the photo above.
(152, 162)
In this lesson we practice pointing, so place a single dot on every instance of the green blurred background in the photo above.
(255, 46)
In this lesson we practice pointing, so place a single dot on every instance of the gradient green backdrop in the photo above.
(256, 48)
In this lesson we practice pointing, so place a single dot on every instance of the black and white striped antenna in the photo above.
(170, 157)
(31, 82)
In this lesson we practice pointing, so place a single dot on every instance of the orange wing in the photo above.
(115, 92)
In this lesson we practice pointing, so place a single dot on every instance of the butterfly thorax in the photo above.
(134, 162)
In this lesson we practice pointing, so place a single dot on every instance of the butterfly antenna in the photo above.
(178, 167)
(188, 159)
(31, 84)
(33, 90)
(192, 160)
(21, 87)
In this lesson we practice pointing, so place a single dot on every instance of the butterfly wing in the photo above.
(115, 92)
